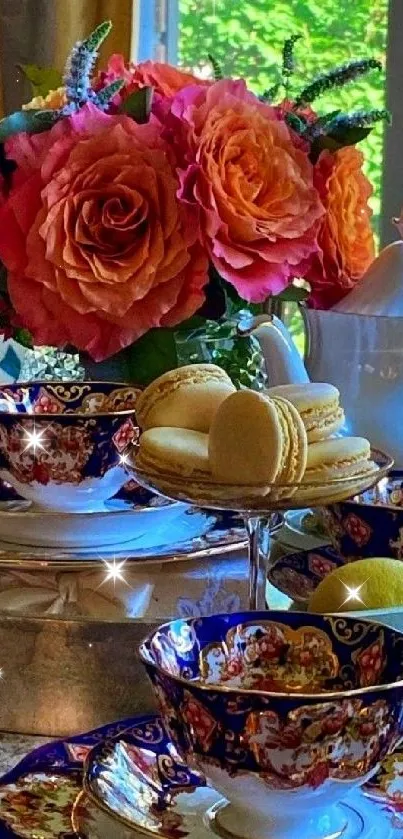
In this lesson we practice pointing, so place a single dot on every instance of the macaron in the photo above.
(187, 397)
(256, 441)
(340, 457)
(318, 404)
(177, 452)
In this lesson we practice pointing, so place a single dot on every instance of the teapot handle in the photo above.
(284, 364)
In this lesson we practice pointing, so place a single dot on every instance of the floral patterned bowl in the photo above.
(370, 524)
(284, 712)
(61, 444)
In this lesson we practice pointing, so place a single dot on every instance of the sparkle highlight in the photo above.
(34, 440)
(353, 593)
(114, 570)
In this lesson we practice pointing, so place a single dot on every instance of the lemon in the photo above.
(366, 584)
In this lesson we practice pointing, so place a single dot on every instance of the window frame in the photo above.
(392, 175)
(158, 30)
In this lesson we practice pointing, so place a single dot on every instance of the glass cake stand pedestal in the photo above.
(260, 506)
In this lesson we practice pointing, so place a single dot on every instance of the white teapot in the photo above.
(358, 347)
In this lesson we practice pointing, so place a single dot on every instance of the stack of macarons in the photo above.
(318, 405)
(328, 457)
(198, 429)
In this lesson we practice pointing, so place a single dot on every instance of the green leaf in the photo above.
(138, 104)
(150, 356)
(23, 337)
(350, 136)
(292, 294)
(297, 123)
(42, 79)
(33, 122)
(334, 142)
(195, 322)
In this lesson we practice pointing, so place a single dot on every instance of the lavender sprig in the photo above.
(357, 119)
(336, 78)
(217, 71)
(289, 60)
(77, 78)
(271, 93)
(103, 97)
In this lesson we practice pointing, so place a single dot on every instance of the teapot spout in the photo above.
(283, 362)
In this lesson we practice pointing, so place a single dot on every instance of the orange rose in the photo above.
(259, 206)
(98, 246)
(345, 237)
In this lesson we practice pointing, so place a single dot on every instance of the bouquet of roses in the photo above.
(142, 198)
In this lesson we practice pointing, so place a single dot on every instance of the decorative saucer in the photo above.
(297, 575)
(149, 789)
(386, 787)
(117, 522)
(42, 796)
(196, 534)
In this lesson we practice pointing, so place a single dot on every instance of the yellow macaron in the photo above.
(256, 441)
(337, 458)
(187, 397)
(318, 404)
(177, 452)
(295, 444)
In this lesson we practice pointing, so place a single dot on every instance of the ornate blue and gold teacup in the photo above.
(284, 712)
(62, 444)
(370, 524)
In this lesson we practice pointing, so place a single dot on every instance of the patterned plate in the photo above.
(189, 534)
(42, 797)
(297, 575)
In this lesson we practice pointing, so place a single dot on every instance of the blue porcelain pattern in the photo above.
(124, 782)
(370, 525)
(37, 796)
(68, 755)
(82, 428)
(298, 574)
(225, 688)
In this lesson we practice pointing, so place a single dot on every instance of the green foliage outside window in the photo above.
(246, 37)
